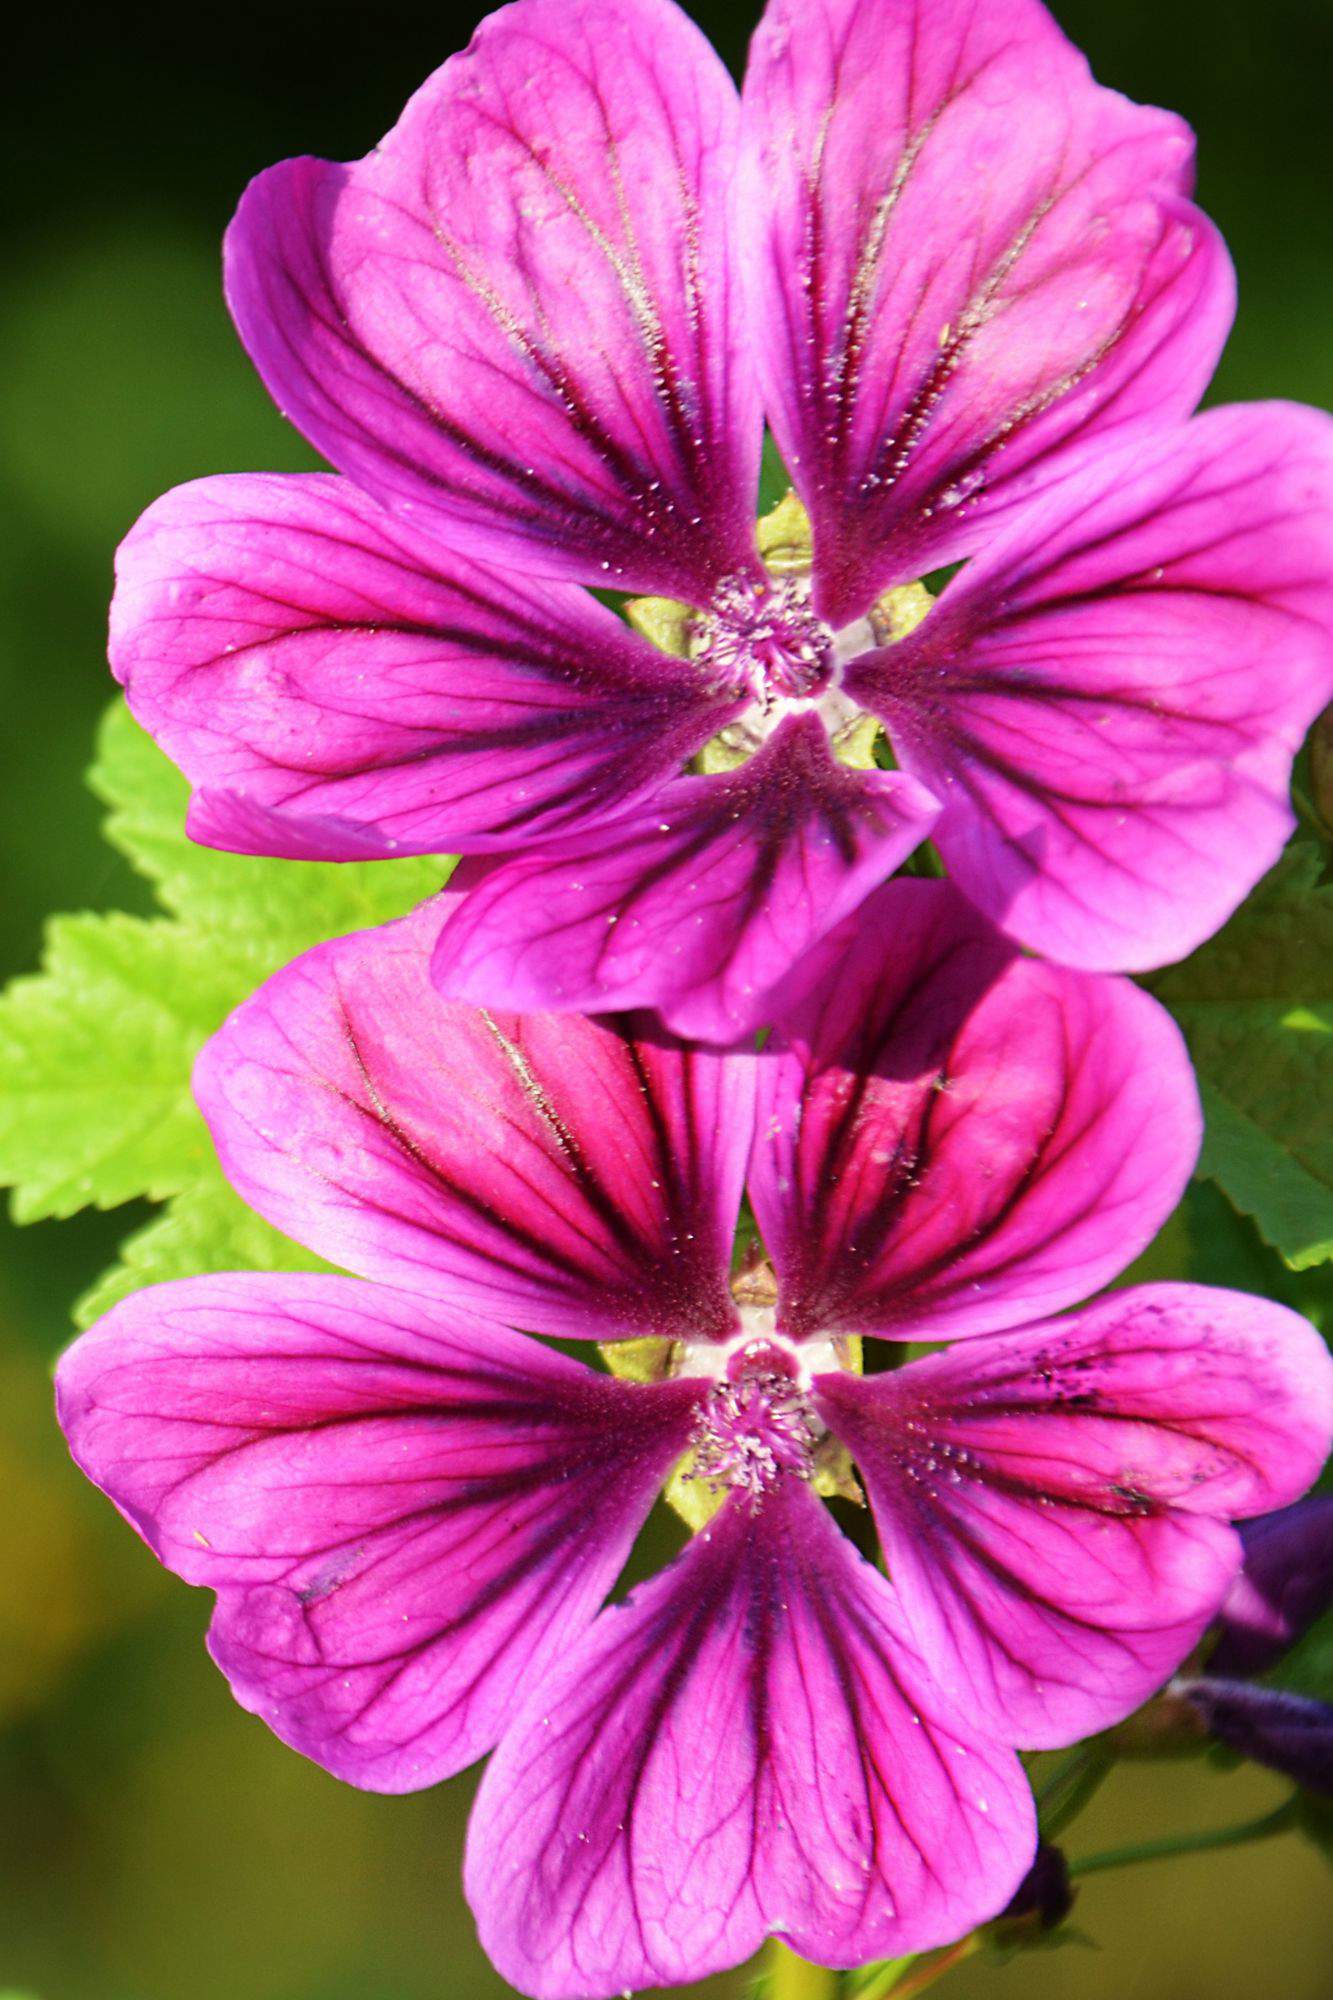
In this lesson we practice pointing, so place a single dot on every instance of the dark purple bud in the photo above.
(1045, 1893)
(1285, 1583)
(1288, 1732)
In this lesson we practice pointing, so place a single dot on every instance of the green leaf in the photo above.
(206, 1228)
(281, 907)
(95, 1056)
(1256, 1005)
(1308, 1667)
(774, 478)
(96, 1048)
(1208, 1242)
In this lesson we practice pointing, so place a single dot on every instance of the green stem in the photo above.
(1058, 1780)
(1073, 1787)
(1191, 1843)
(793, 1978)
(904, 1978)
(1308, 811)
(933, 1968)
(884, 1979)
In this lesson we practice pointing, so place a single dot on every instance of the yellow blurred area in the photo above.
(61, 1592)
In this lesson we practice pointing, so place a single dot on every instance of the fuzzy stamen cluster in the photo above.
(766, 637)
(753, 1429)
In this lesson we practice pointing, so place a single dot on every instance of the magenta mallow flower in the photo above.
(538, 331)
(411, 1512)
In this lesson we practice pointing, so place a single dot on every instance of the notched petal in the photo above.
(578, 1178)
(1108, 700)
(1052, 1503)
(748, 1747)
(516, 316)
(965, 258)
(407, 1514)
(951, 1139)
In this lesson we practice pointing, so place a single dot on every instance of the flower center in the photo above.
(757, 1425)
(767, 637)
(761, 637)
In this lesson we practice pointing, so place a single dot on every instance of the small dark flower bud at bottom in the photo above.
(1045, 1896)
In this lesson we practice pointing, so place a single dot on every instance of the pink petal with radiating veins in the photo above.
(966, 258)
(749, 1746)
(517, 316)
(407, 1514)
(697, 903)
(1110, 698)
(330, 678)
(1052, 1503)
(578, 1178)
(951, 1139)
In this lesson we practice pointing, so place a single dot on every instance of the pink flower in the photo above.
(537, 331)
(411, 1513)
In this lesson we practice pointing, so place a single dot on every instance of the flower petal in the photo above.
(1111, 696)
(577, 1178)
(747, 1747)
(516, 315)
(333, 678)
(1052, 1502)
(697, 903)
(971, 258)
(952, 1139)
(407, 1516)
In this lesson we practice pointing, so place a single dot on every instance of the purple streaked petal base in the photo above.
(965, 260)
(748, 1747)
(572, 1177)
(518, 316)
(1109, 698)
(952, 1139)
(337, 684)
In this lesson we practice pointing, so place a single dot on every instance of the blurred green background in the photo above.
(157, 1844)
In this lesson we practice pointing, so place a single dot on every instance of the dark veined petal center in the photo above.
(761, 638)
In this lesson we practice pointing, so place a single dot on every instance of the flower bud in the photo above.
(1291, 1733)
(1045, 1895)
(1285, 1583)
